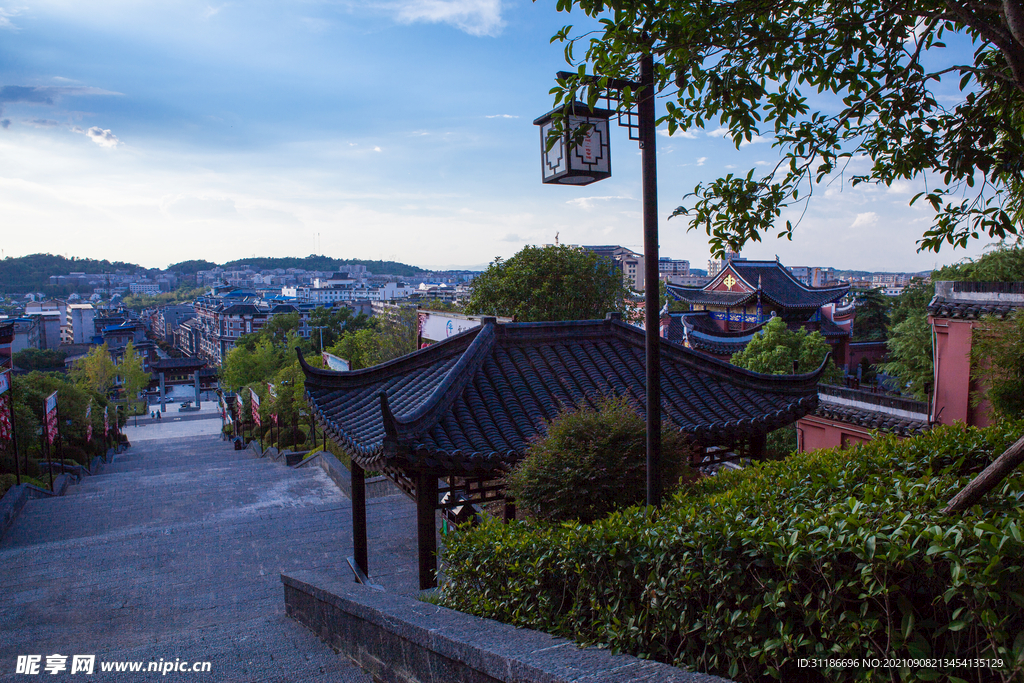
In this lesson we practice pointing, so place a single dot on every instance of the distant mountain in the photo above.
(32, 273)
(312, 262)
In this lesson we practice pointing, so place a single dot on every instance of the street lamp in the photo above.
(566, 164)
(556, 170)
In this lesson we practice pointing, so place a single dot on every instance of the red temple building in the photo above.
(729, 310)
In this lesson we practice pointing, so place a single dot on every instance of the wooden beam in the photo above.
(426, 532)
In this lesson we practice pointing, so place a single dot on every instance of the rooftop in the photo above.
(473, 402)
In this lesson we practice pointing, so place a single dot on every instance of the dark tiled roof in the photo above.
(872, 419)
(474, 401)
(177, 363)
(696, 295)
(701, 333)
(830, 329)
(779, 285)
(776, 283)
(969, 310)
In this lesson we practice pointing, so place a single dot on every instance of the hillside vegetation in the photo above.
(32, 273)
(326, 263)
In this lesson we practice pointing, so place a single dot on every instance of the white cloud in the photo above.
(211, 11)
(723, 132)
(500, 116)
(376, 149)
(863, 220)
(899, 187)
(588, 202)
(475, 17)
(101, 136)
(5, 19)
(700, 162)
(190, 208)
(688, 134)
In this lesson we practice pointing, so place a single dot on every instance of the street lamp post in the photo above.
(584, 174)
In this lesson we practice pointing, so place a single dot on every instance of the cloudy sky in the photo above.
(166, 130)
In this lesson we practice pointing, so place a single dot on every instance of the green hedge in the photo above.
(830, 554)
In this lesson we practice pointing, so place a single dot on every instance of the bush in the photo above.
(593, 461)
(843, 554)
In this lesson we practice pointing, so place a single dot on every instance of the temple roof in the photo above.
(768, 280)
(702, 334)
(473, 402)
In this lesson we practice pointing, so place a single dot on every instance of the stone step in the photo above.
(162, 560)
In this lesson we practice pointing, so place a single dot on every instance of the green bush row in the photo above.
(838, 554)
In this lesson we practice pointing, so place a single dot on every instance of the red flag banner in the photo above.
(51, 417)
(273, 395)
(6, 417)
(6, 408)
(254, 398)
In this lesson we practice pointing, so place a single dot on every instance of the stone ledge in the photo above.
(398, 639)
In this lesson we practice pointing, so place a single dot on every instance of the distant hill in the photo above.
(32, 273)
(312, 262)
(191, 267)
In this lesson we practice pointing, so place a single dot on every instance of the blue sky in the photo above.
(165, 130)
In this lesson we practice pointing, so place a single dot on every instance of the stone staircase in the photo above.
(174, 551)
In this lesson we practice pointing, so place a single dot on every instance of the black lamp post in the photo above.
(590, 161)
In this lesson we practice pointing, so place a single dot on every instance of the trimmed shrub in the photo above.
(833, 554)
(593, 461)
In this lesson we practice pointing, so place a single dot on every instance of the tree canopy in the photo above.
(927, 88)
(549, 283)
(774, 350)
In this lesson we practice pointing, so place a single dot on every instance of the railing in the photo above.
(990, 287)
(883, 400)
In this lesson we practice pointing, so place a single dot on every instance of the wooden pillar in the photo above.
(757, 444)
(426, 533)
(359, 518)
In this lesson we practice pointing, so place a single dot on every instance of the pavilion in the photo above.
(466, 409)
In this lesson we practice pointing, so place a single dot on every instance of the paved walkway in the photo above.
(173, 424)
(175, 552)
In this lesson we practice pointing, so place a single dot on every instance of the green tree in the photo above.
(830, 80)
(46, 360)
(549, 283)
(591, 462)
(335, 322)
(133, 377)
(248, 364)
(95, 371)
(776, 347)
(997, 357)
(872, 319)
(384, 341)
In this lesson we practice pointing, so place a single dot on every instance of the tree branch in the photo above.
(988, 479)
